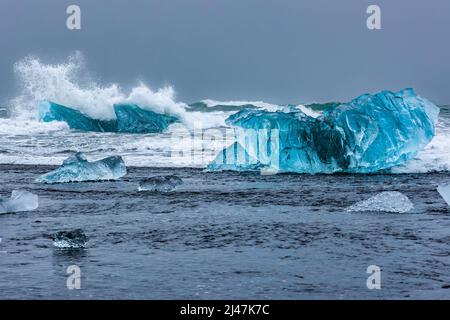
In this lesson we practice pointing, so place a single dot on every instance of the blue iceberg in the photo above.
(76, 168)
(49, 111)
(133, 119)
(130, 118)
(368, 134)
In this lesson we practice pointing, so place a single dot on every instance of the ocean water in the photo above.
(222, 235)
(227, 236)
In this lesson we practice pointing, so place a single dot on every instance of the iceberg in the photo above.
(75, 239)
(234, 158)
(368, 134)
(77, 168)
(130, 118)
(49, 111)
(133, 119)
(444, 191)
(388, 201)
(20, 200)
(160, 184)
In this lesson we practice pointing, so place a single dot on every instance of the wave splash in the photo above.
(68, 84)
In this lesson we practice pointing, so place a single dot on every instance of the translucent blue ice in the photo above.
(130, 118)
(133, 119)
(76, 169)
(49, 111)
(368, 134)
(20, 200)
(234, 158)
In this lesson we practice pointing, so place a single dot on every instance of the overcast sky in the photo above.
(282, 51)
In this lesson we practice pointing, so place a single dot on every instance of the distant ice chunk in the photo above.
(74, 239)
(160, 183)
(444, 191)
(76, 168)
(388, 201)
(20, 200)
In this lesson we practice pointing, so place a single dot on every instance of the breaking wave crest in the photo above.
(69, 84)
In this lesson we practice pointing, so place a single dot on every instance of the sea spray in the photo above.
(69, 84)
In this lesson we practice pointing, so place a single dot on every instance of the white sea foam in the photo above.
(310, 112)
(58, 83)
(260, 104)
(29, 127)
(66, 84)
(435, 157)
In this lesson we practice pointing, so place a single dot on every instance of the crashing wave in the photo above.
(130, 118)
(209, 105)
(204, 107)
(70, 83)
(368, 134)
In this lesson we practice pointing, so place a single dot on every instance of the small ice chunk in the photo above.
(160, 183)
(388, 201)
(74, 239)
(444, 191)
(77, 168)
(20, 200)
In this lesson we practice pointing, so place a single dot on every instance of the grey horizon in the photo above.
(278, 51)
